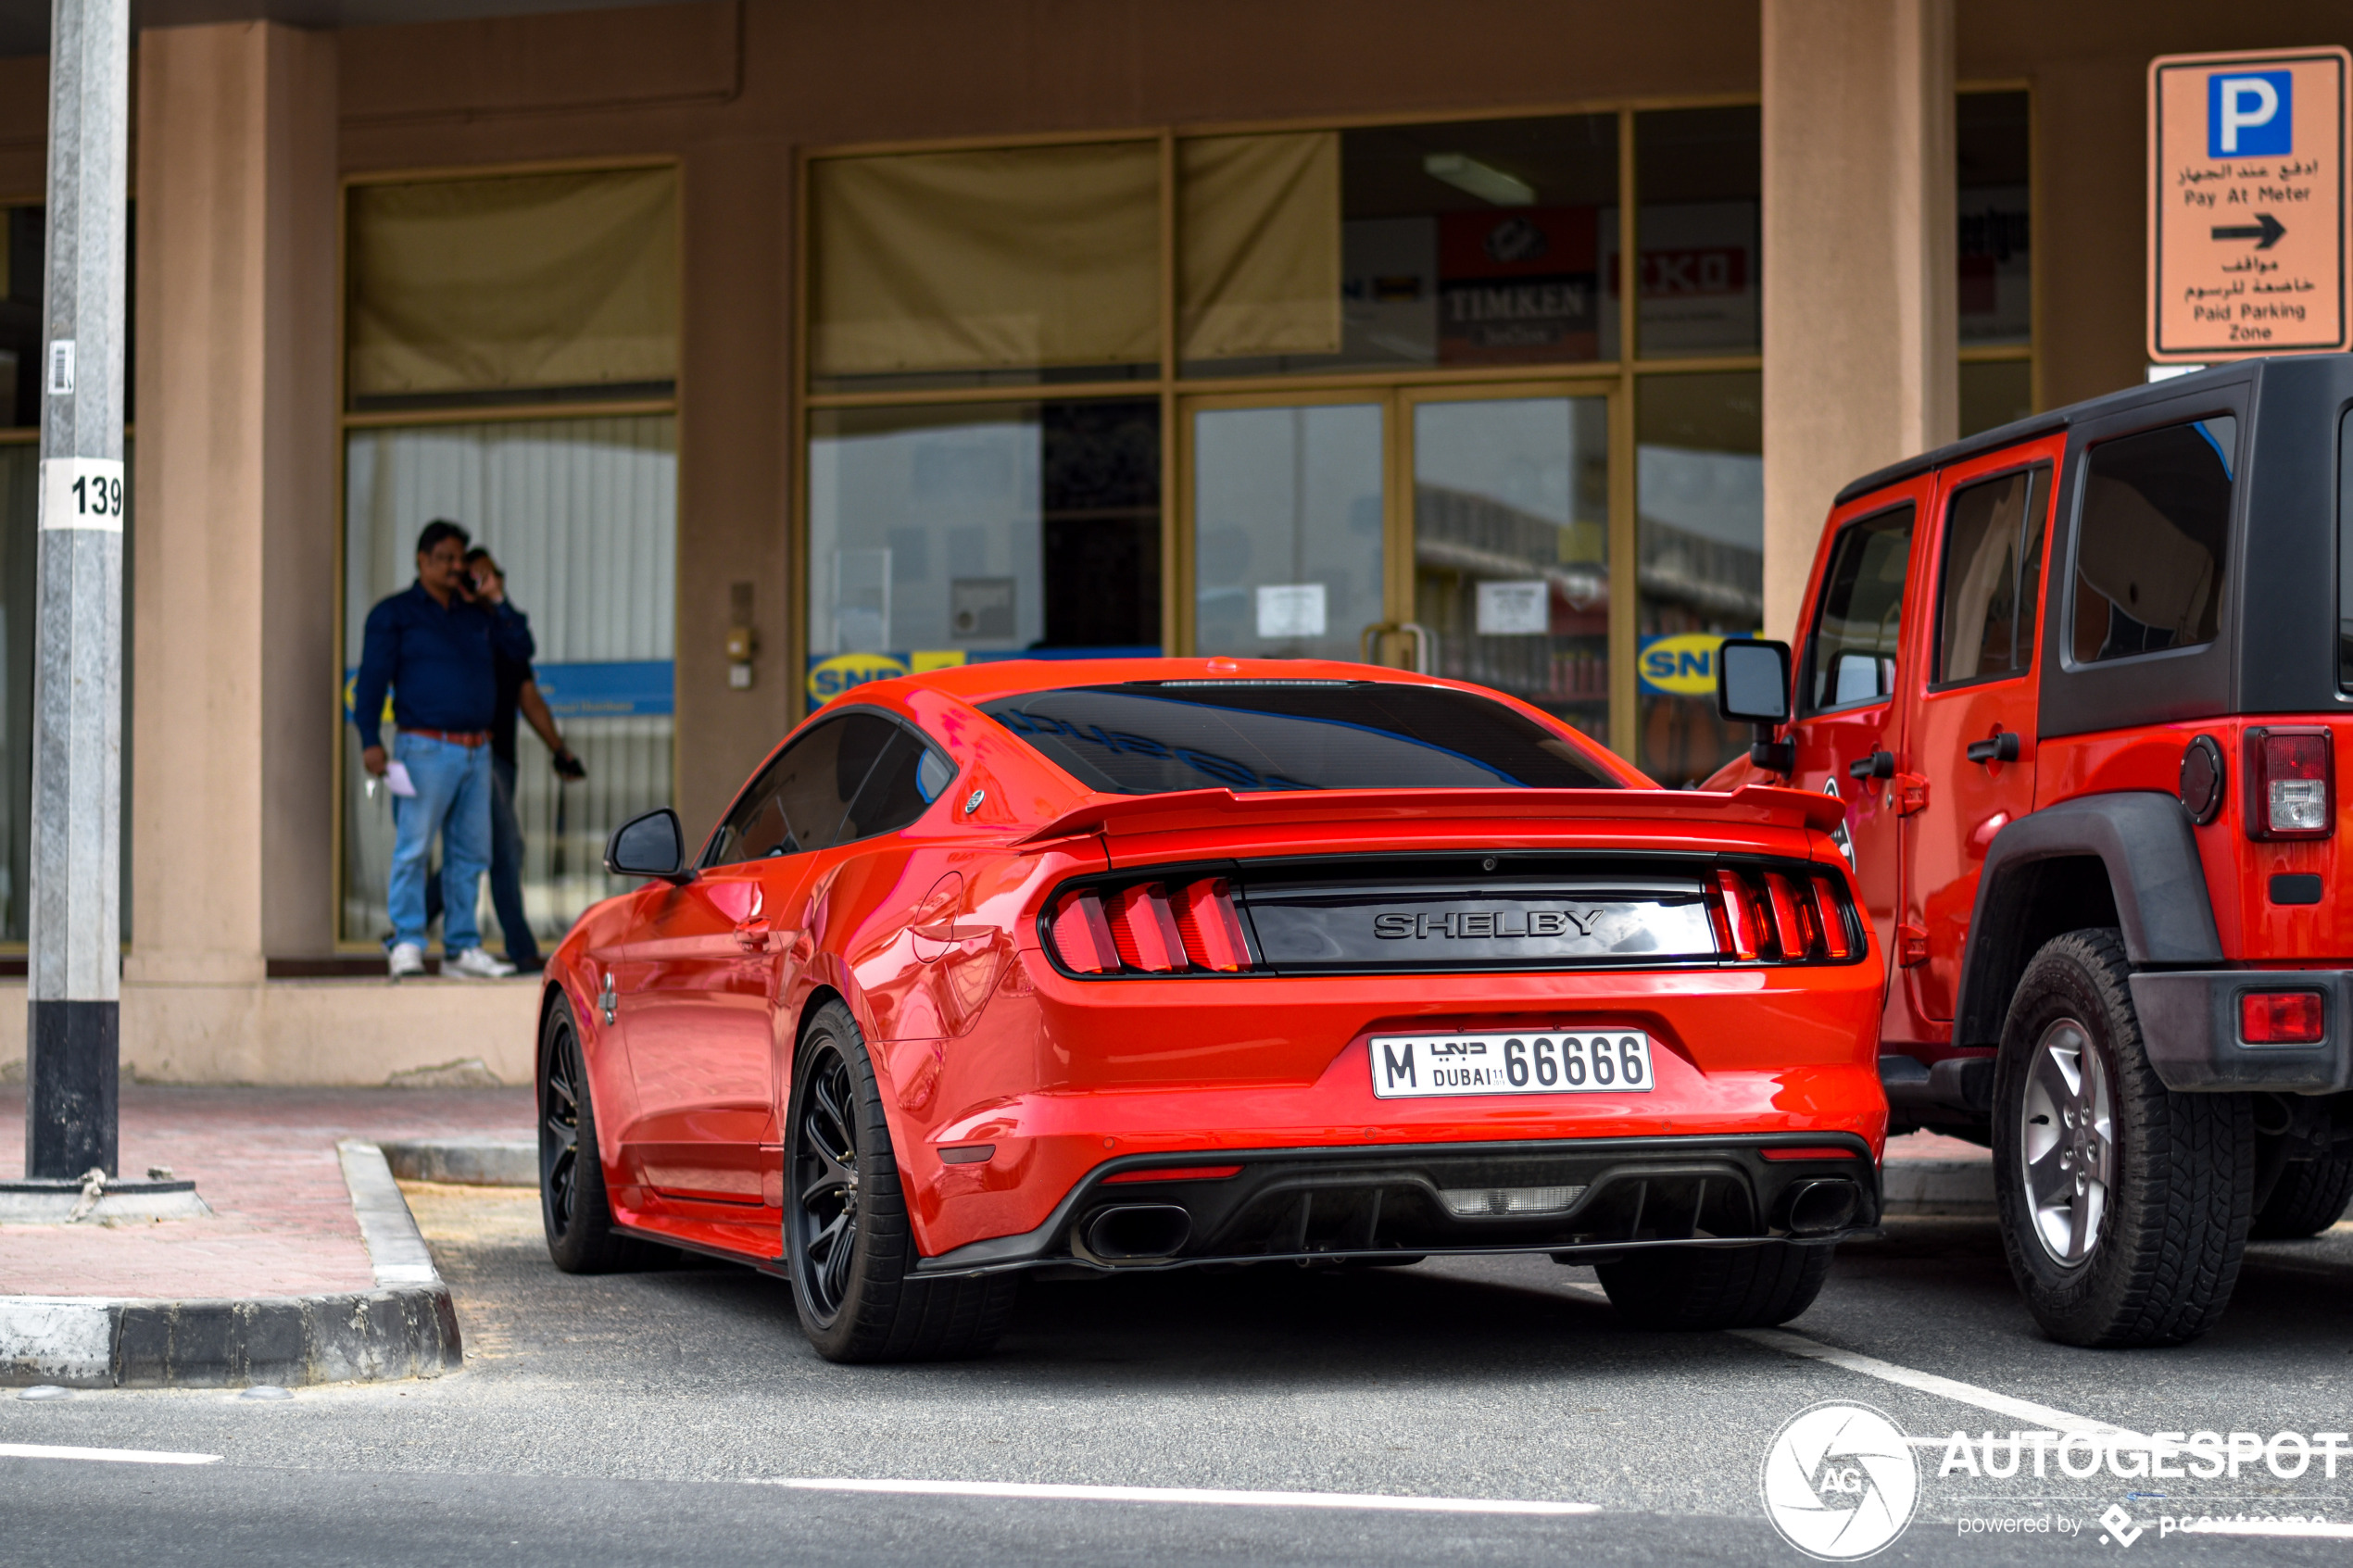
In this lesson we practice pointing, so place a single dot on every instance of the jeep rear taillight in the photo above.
(1780, 917)
(2291, 782)
(2281, 1018)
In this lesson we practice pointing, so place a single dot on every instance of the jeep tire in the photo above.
(2308, 1198)
(2126, 1221)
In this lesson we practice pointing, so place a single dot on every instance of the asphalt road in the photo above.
(644, 1418)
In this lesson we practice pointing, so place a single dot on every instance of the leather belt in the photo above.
(455, 737)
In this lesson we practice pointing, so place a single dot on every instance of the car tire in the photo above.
(2128, 1226)
(2309, 1196)
(573, 1208)
(1706, 1287)
(847, 1244)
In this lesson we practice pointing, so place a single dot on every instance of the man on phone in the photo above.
(518, 696)
(437, 647)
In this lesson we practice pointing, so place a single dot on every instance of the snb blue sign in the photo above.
(2249, 115)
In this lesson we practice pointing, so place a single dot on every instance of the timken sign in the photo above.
(2247, 236)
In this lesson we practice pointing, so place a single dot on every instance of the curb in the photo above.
(406, 1328)
(1937, 1186)
(488, 1163)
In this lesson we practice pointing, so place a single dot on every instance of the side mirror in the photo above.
(652, 845)
(1752, 681)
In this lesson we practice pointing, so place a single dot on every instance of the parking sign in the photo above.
(2248, 204)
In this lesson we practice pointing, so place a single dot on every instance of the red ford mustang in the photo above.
(1137, 964)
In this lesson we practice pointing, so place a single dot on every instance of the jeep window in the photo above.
(2152, 540)
(1155, 737)
(2344, 555)
(1988, 584)
(1851, 656)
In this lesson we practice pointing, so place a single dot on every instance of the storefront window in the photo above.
(1698, 174)
(1511, 548)
(939, 536)
(1995, 292)
(1700, 493)
(1449, 245)
(581, 515)
(521, 289)
(1287, 530)
(970, 269)
(21, 262)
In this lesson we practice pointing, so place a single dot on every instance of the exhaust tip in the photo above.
(1138, 1232)
(1817, 1208)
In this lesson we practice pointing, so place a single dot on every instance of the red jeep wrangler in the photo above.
(2080, 681)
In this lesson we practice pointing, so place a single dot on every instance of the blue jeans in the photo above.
(453, 797)
(506, 869)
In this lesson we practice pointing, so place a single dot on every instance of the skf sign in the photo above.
(2248, 210)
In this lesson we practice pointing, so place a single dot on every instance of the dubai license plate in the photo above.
(1613, 1062)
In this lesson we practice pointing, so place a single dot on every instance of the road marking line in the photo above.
(2316, 1529)
(1790, 1344)
(110, 1456)
(1376, 1500)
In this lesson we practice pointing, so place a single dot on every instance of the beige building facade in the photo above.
(775, 347)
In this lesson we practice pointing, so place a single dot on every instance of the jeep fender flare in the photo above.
(2143, 839)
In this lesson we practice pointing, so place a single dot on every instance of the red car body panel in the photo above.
(931, 936)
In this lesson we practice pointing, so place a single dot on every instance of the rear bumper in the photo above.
(1582, 1200)
(2190, 1028)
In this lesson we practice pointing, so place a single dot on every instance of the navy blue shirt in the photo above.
(442, 665)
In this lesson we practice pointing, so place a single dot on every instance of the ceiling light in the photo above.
(1467, 174)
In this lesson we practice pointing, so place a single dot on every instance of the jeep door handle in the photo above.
(1878, 765)
(1994, 749)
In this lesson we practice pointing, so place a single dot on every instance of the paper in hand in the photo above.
(396, 779)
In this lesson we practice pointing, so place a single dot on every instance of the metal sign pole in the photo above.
(76, 935)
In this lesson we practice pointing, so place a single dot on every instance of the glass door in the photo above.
(1289, 514)
(1511, 545)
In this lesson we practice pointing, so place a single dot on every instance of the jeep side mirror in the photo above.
(1752, 681)
(653, 844)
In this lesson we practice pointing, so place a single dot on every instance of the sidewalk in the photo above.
(265, 1159)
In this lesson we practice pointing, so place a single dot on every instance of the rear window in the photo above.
(1243, 736)
(2155, 533)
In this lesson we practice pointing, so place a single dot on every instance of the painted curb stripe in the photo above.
(107, 1456)
(1198, 1495)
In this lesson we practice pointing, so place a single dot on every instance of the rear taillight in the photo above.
(1144, 930)
(1150, 929)
(1210, 929)
(1780, 917)
(2291, 784)
(2281, 1018)
(1081, 936)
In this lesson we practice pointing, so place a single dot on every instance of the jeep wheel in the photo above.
(2124, 1205)
(2308, 1198)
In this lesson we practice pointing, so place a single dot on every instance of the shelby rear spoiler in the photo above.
(1750, 806)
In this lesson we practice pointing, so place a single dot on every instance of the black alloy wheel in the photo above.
(826, 1183)
(582, 1238)
(848, 1243)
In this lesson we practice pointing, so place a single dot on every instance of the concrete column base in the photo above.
(338, 1033)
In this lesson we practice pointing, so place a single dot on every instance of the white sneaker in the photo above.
(408, 959)
(475, 963)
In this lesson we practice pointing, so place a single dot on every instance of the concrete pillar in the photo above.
(235, 580)
(1860, 336)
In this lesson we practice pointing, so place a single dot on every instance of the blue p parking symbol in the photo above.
(2248, 115)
